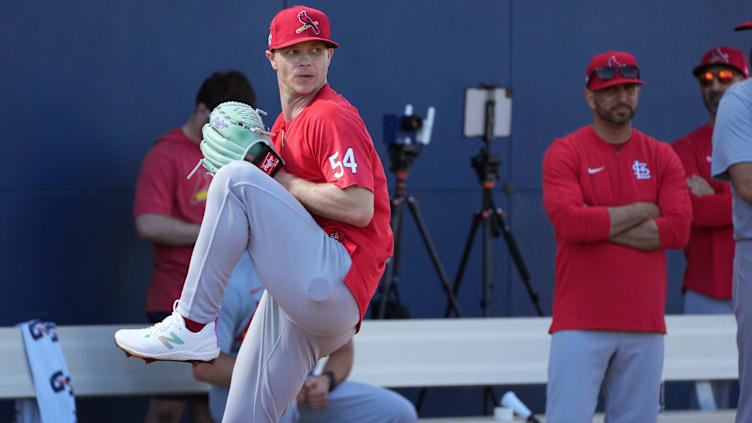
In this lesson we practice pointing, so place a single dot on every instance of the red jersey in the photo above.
(710, 251)
(162, 188)
(600, 285)
(328, 142)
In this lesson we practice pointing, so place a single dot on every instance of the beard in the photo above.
(711, 101)
(613, 116)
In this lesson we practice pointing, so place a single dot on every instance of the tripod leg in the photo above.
(386, 289)
(391, 273)
(489, 394)
(421, 398)
(517, 257)
(488, 230)
(465, 256)
(413, 205)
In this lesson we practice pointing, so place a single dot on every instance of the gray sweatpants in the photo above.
(742, 301)
(627, 366)
(307, 311)
(356, 402)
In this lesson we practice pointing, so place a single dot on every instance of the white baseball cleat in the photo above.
(170, 340)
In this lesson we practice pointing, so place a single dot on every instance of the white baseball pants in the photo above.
(307, 311)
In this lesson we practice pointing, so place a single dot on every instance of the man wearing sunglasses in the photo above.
(732, 161)
(617, 199)
(720, 67)
(710, 251)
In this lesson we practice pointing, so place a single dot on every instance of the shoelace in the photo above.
(170, 321)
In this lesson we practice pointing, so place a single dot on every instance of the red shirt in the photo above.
(600, 285)
(162, 188)
(328, 142)
(710, 251)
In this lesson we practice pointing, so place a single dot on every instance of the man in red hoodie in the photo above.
(617, 199)
(710, 251)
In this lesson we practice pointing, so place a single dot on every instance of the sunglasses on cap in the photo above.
(724, 76)
(606, 73)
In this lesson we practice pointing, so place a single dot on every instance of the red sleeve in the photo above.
(710, 211)
(156, 183)
(563, 199)
(687, 157)
(673, 200)
(344, 150)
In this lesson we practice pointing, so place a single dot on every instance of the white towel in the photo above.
(52, 384)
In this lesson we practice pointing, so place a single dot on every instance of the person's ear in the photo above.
(202, 110)
(270, 55)
(590, 98)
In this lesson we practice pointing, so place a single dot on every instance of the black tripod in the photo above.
(402, 157)
(495, 223)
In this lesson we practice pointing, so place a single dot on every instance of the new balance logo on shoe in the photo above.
(596, 170)
(166, 341)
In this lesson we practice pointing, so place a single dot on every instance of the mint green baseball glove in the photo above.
(235, 130)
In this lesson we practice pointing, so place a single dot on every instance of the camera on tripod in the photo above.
(409, 129)
(406, 135)
(488, 114)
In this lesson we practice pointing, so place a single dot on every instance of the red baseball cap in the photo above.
(610, 59)
(299, 24)
(723, 55)
(744, 26)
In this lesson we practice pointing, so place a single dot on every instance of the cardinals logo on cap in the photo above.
(612, 62)
(719, 56)
(307, 23)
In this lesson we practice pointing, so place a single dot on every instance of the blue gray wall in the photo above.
(86, 87)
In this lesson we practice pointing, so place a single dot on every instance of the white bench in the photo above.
(514, 351)
(97, 367)
(723, 416)
(393, 353)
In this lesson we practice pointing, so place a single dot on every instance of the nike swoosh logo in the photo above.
(596, 170)
(710, 159)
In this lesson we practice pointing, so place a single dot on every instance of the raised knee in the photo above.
(236, 169)
(319, 289)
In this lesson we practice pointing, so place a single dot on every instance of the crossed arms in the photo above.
(642, 225)
(633, 225)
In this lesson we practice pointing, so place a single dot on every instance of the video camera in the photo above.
(406, 135)
(408, 129)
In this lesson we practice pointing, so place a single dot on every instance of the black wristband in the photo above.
(332, 381)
